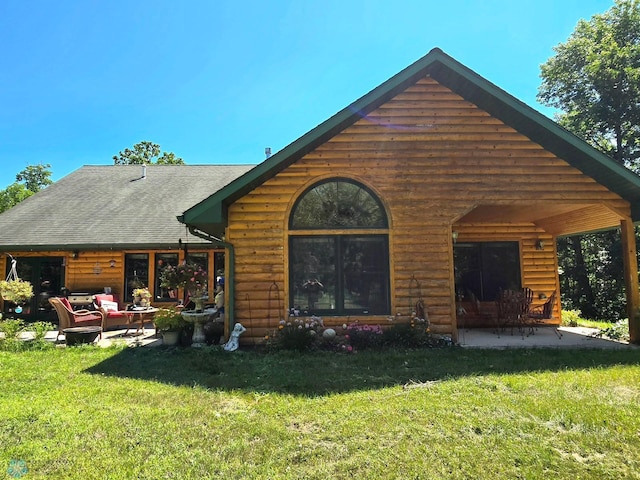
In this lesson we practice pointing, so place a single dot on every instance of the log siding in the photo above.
(432, 158)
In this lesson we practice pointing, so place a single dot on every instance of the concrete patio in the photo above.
(543, 337)
(144, 338)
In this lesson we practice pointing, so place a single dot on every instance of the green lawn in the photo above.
(442, 413)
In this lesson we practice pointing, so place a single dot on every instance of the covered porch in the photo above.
(518, 239)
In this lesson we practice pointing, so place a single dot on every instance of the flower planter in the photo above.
(170, 338)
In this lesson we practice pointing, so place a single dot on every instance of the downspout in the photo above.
(229, 280)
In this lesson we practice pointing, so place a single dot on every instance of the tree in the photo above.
(29, 181)
(12, 195)
(594, 79)
(35, 177)
(145, 153)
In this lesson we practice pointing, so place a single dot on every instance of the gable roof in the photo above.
(210, 214)
(111, 206)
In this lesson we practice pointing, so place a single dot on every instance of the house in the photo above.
(435, 185)
(110, 227)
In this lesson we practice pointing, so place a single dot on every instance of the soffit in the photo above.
(558, 219)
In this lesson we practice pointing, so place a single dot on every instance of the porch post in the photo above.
(452, 284)
(631, 278)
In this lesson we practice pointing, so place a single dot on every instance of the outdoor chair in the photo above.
(480, 316)
(117, 315)
(109, 305)
(513, 308)
(537, 315)
(68, 318)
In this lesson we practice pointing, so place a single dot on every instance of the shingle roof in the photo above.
(112, 206)
(210, 214)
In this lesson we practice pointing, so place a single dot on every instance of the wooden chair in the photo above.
(68, 318)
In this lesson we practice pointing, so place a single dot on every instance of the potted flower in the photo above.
(191, 277)
(142, 297)
(16, 291)
(170, 323)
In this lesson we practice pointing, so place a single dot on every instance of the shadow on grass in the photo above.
(321, 373)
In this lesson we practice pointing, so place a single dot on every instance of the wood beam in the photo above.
(631, 278)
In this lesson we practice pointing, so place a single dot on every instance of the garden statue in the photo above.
(233, 343)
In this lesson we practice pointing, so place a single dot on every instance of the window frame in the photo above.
(158, 289)
(341, 236)
(364, 188)
(129, 257)
(488, 287)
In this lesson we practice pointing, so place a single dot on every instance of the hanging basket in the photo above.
(13, 289)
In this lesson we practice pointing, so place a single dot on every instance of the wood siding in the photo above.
(431, 157)
(91, 271)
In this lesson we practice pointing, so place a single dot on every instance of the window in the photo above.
(485, 268)
(136, 273)
(333, 272)
(338, 204)
(163, 260)
(200, 259)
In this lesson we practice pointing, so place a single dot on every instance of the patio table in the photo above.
(138, 315)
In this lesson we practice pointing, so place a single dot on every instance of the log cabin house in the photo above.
(109, 227)
(435, 185)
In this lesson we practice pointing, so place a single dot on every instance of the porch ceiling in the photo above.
(558, 219)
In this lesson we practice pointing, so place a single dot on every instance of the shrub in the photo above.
(12, 329)
(571, 318)
(39, 330)
(363, 336)
(617, 331)
(295, 334)
(413, 334)
(167, 319)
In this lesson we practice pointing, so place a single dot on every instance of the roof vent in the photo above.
(267, 152)
(144, 171)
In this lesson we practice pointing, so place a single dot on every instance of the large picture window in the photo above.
(485, 268)
(339, 251)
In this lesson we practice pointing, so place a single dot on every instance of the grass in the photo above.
(441, 413)
(615, 331)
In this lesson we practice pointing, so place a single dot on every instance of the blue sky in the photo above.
(217, 81)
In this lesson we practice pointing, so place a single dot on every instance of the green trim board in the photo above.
(210, 215)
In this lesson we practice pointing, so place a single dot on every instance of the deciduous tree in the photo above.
(594, 79)
(29, 181)
(146, 153)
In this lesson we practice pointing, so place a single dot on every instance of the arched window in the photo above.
(339, 251)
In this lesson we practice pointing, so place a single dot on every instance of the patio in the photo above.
(544, 337)
(146, 337)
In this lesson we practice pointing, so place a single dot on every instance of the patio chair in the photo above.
(537, 315)
(68, 318)
(480, 316)
(513, 309)
(109, 305)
